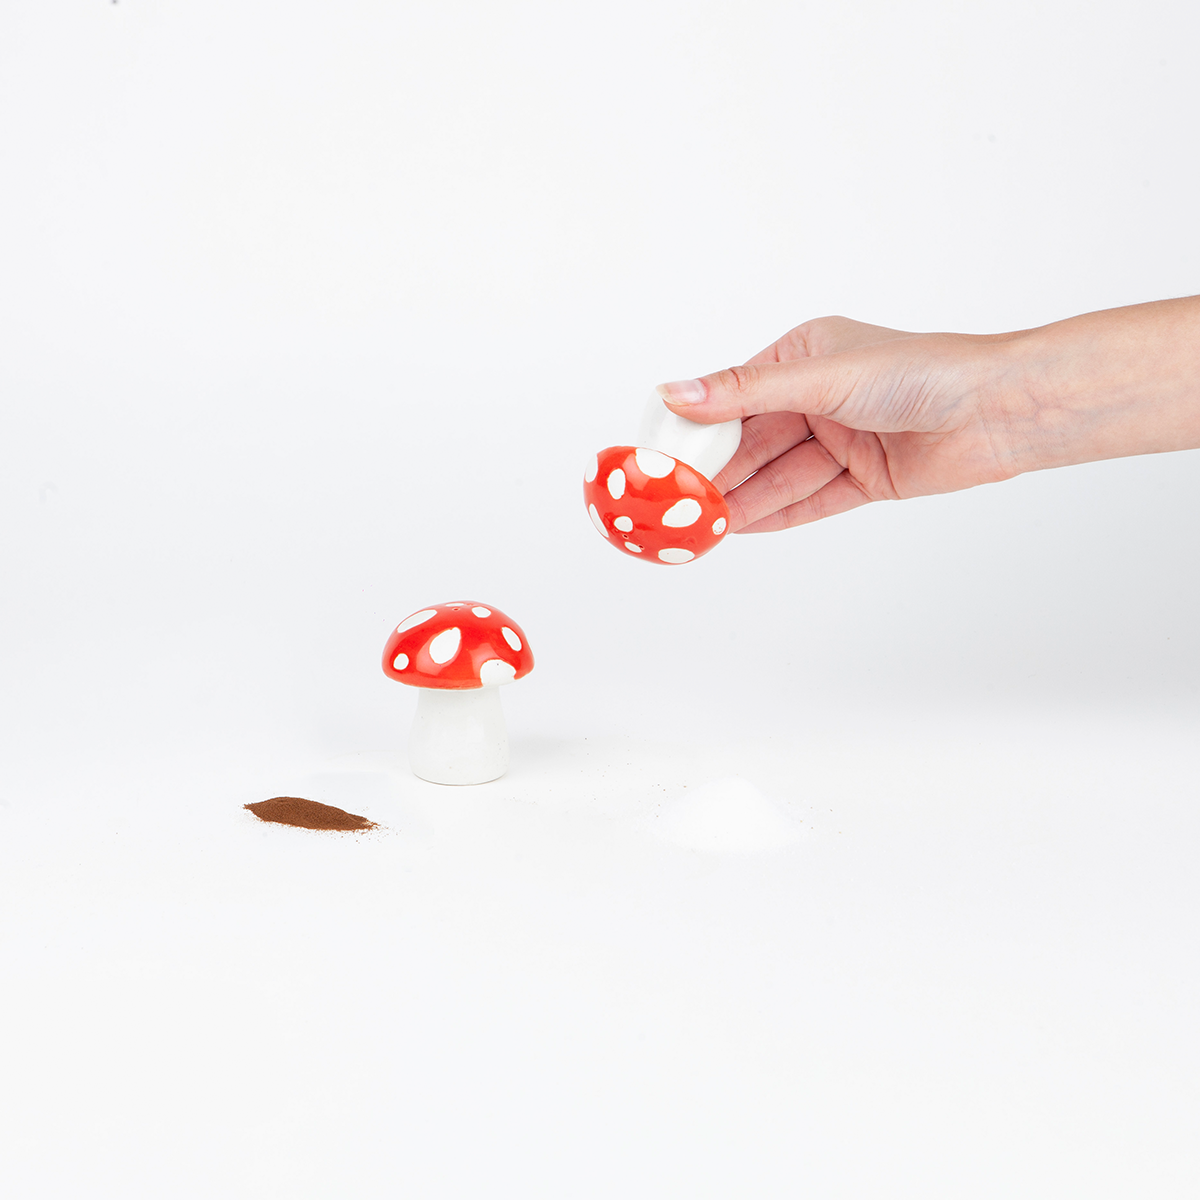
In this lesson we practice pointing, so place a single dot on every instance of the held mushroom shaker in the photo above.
(656, 500)
(459, 654)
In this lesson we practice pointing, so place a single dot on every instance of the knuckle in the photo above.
(755, 442)
(737, 380)
(779, 488)
(803, 512)
(823, 331)
(813, 507)
(738, 516)
(813, 337)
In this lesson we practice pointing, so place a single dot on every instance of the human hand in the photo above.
(837, 413)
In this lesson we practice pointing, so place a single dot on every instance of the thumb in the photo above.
(813, 386)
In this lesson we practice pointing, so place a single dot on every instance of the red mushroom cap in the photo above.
(461, 644)
(656, 507)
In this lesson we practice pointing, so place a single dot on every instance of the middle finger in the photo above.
(764, 438)
(793, 476)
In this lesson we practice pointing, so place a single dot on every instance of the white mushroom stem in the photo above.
(459, 736)
(707, 448)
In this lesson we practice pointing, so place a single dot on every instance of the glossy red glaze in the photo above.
(413, 651)
(652, 506)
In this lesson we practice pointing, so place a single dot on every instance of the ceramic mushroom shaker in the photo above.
(459, 654)
(656, 500)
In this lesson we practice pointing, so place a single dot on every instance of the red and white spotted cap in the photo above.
(458, 645)
(654, 506)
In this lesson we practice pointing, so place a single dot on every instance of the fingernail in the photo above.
(685, 391)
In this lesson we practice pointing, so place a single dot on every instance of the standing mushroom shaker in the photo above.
(657, 500)
(459, 654)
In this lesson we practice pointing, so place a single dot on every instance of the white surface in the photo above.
(303, 307)
(727, 816)
(977, 958)
(705, 448)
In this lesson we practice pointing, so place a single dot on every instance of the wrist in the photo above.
(1103, 385)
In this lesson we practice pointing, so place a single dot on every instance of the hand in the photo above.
(837, 413)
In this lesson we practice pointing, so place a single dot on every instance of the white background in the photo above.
(311, 315)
